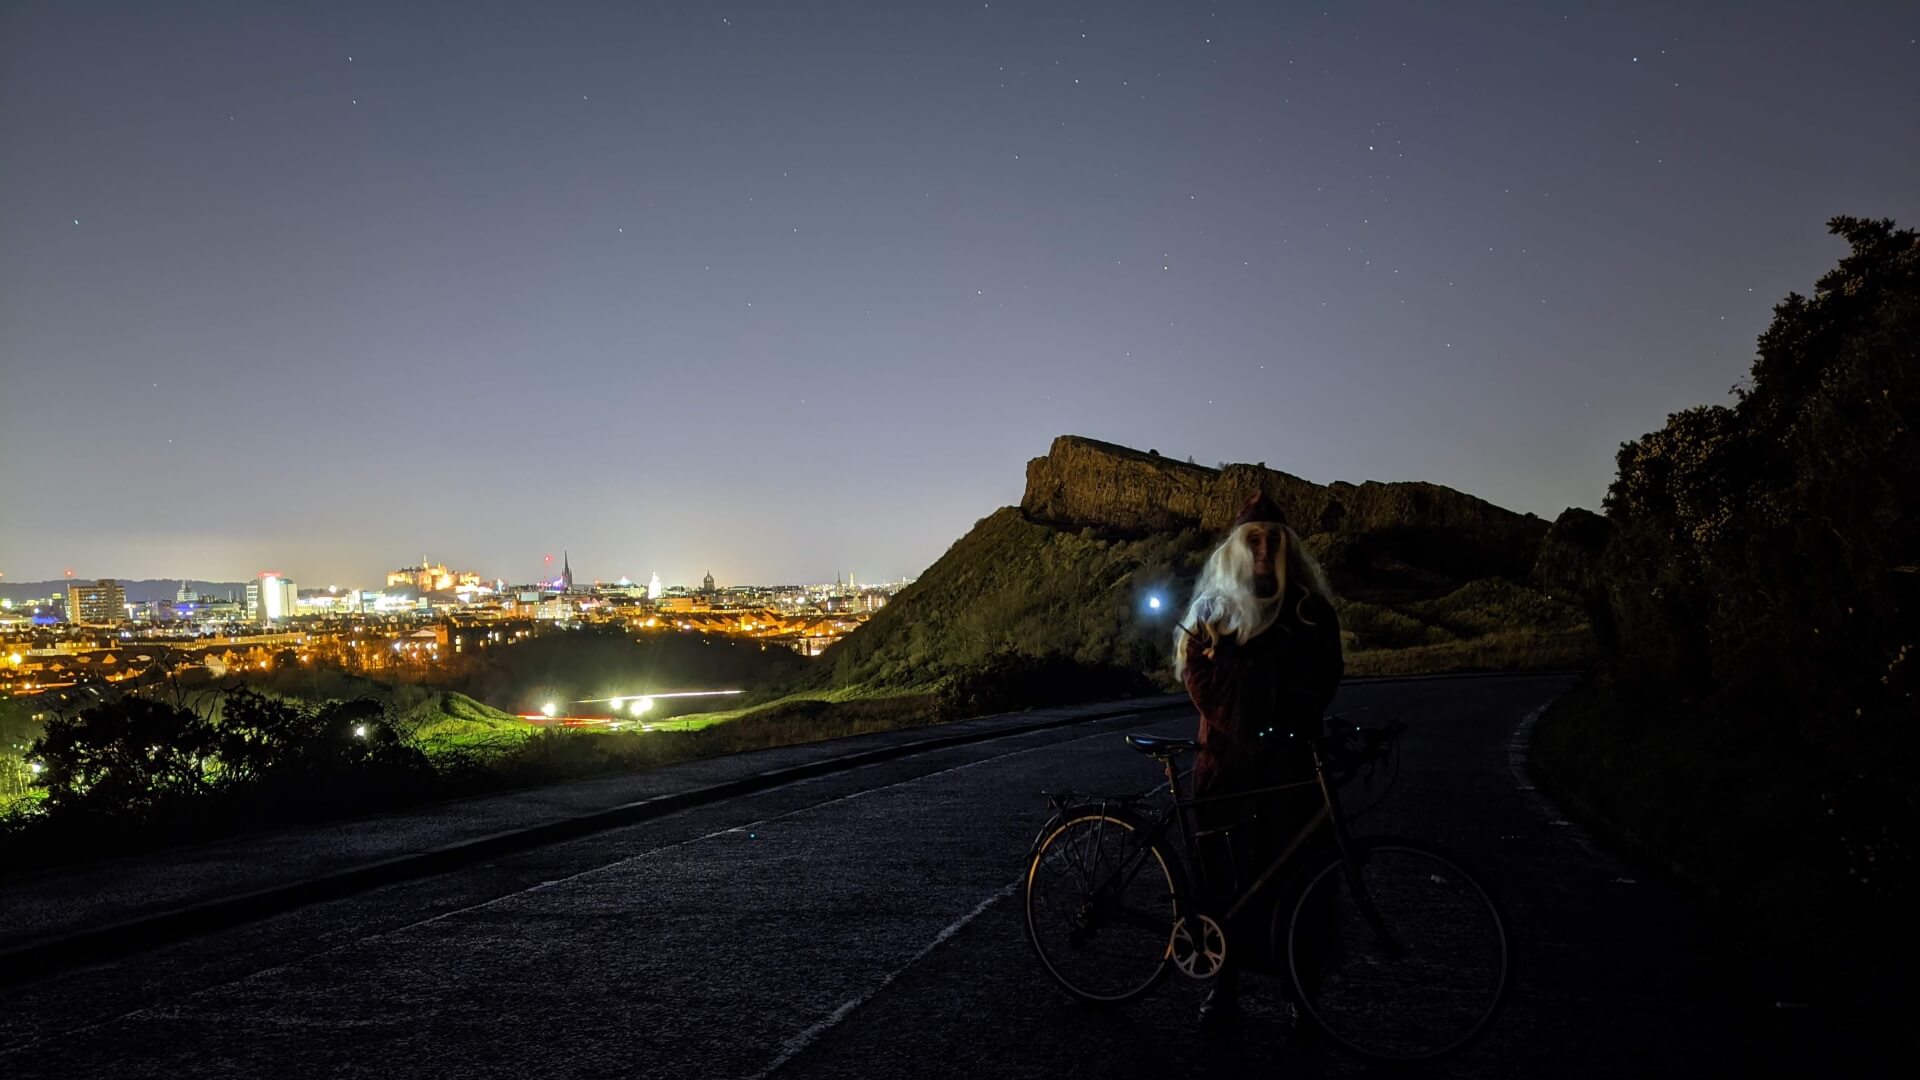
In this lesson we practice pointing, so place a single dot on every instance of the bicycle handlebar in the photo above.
(1346, 751)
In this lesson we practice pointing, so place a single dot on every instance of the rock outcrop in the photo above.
(1571, 563)
(1402, 538)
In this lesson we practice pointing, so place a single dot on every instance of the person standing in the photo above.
(1259, 653)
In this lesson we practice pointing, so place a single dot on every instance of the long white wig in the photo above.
(1224, 601)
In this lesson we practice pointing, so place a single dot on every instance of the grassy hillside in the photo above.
(450, 720)
(1011, 586)
(1014, 588)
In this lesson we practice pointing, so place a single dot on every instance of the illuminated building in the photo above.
(102, 603)
(432, 577)
(654, 588)
(271, 598)
(625, 587)
(706, 583)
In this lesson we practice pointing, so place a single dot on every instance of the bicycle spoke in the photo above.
(1400, 955)
(1100, 908)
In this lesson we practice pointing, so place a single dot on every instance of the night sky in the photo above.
(782, 289)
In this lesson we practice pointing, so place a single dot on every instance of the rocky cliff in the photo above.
(1089, 571)
(1381, 539)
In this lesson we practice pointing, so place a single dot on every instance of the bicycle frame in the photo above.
(1190, 834)
(1329, 814)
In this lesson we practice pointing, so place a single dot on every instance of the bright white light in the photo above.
(36, 768)
(548, 709)
(617, 702)
(1153, 602)
(641, 705)
(360, 730)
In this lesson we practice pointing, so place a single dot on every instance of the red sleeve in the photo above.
(1209, 679)
(1210, 682)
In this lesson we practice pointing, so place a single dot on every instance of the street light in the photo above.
(548, 710)
(641, 705)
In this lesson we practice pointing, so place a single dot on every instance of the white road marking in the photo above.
(793, 1046)
(1517, 749)
(160, 1009)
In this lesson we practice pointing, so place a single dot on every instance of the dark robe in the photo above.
(1259, 702)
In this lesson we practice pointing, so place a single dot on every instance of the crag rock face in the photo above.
(1403, 538)
(1570, 567)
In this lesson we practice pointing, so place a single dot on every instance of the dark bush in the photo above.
(1761, 580)
(129, 756)
(264, 740)
(1009, 680)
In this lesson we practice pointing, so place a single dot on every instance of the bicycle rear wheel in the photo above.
(1399, 953)
(1101, 906)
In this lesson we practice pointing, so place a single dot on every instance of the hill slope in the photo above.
(1427, 578)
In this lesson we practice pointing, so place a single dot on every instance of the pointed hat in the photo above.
(1259, 508)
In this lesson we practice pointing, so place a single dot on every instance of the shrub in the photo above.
(263, 740)
(1761, 585)
(1009, 680)
(129, 756)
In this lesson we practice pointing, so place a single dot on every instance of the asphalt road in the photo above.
(864, 925)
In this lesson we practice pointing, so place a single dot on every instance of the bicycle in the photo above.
(1392, 947)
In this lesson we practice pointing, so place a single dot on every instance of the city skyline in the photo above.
(371, 585)
(782, 288)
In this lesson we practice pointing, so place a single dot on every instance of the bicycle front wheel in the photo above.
(1397, 952)
(1101, 906)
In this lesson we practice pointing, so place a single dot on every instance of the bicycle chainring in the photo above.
(1201, 956)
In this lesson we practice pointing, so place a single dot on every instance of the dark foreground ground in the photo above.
(864, 925)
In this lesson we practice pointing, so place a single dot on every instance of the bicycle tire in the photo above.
(1103, 949)
(1427, 989)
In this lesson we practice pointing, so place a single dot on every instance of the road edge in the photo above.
(23, 962)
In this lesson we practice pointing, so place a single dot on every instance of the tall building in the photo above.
(566, 573)
(102, 603)
(654, 588)
(706, 583)
(271, 598)
(186, 595)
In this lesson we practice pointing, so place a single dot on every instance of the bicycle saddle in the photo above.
(1155, 746)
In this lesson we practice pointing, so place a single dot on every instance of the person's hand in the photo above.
(1205, 637)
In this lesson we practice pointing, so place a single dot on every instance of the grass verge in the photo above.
(1738, 817)
(1510, 650)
